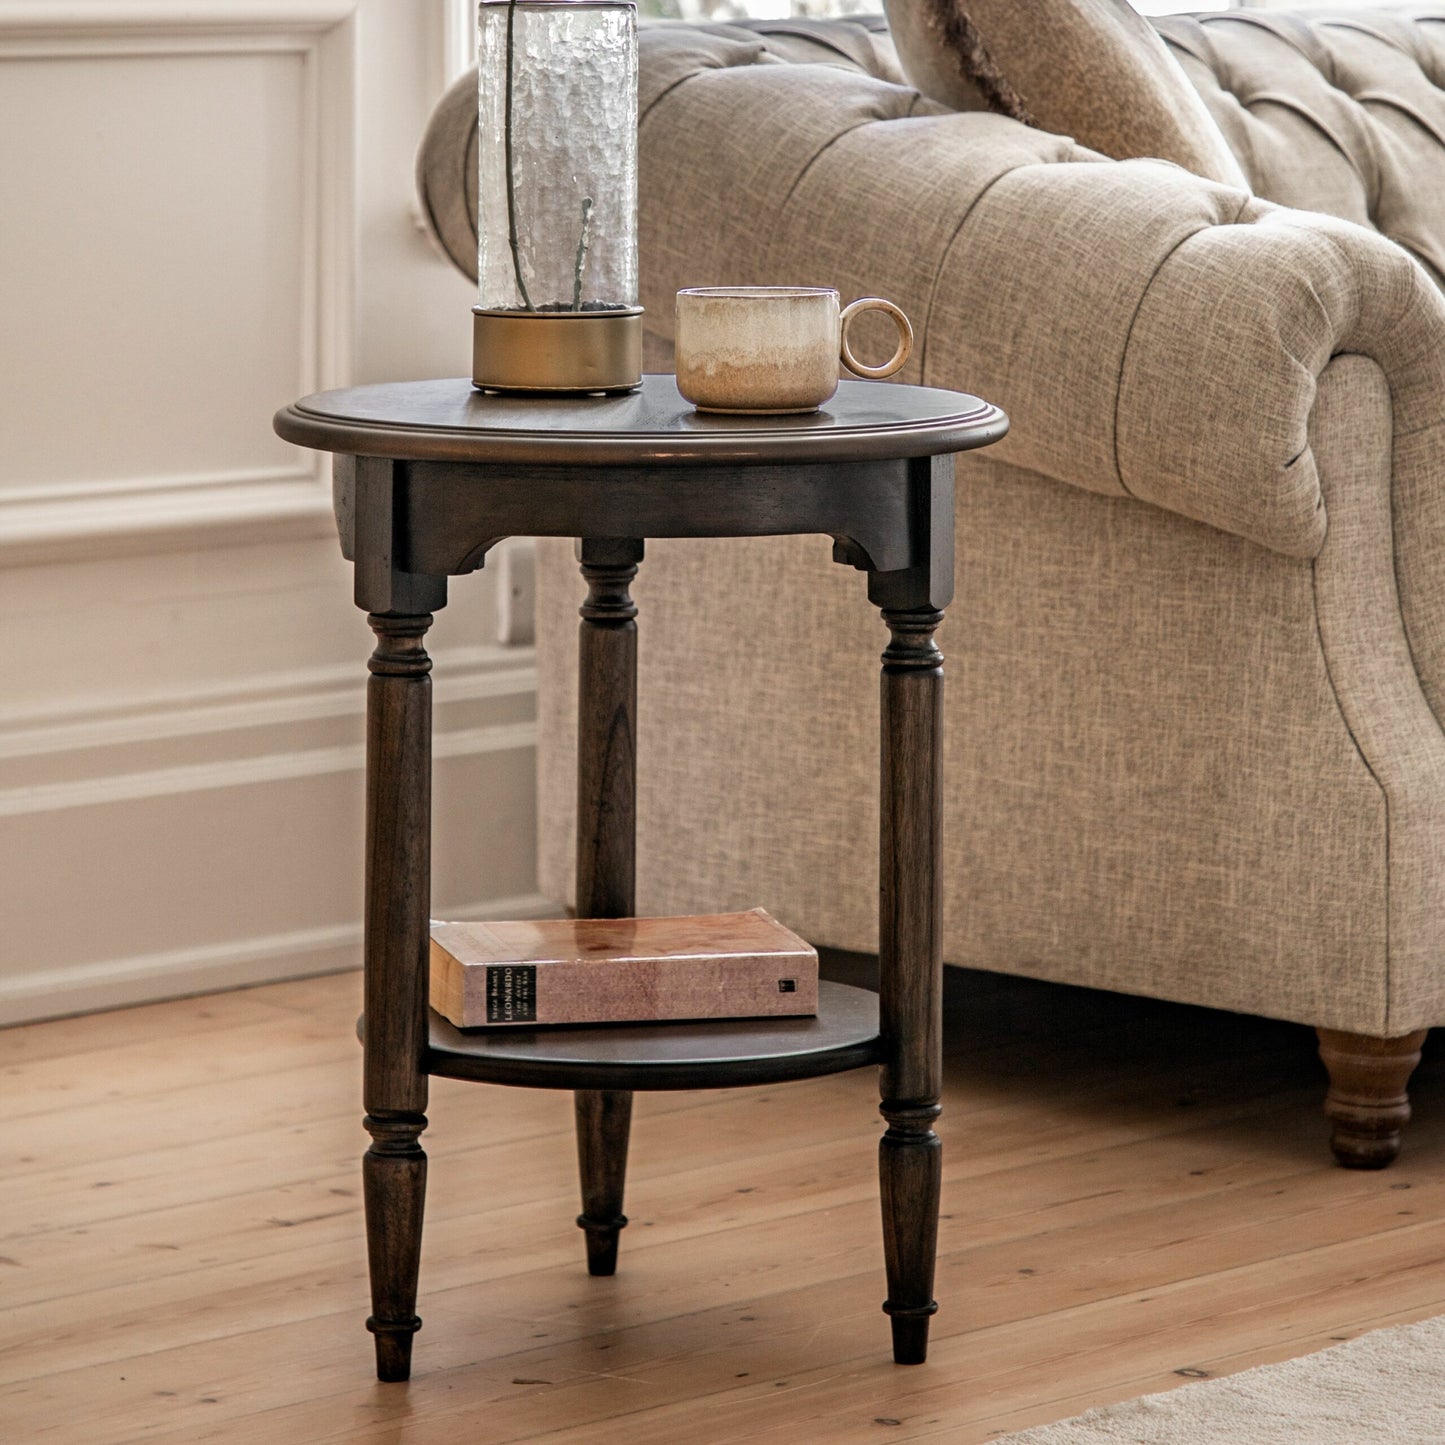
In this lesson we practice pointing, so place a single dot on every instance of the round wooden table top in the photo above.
(452, 421)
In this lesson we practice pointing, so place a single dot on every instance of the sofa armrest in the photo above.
(1150, 334)
(1157, 337)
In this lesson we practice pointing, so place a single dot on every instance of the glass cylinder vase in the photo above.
(557, 197)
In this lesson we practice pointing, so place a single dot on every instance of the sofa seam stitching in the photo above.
(1128, 344)
(1344, 717)
(822, 151)
(645, 114)
(1374, 777)
(926, 330)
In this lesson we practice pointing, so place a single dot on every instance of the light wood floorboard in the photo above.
(1135, 1194)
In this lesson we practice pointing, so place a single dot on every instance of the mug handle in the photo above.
(905, 338)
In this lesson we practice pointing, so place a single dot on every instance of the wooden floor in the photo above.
(1135, 1195)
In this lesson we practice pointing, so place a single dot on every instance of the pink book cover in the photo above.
(621, 970)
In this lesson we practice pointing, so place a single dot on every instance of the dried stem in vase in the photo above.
(512, 239)
(584, 241)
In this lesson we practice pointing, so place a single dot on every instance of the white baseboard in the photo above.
(212, 968)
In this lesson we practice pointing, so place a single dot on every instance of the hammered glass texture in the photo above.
(574, 139)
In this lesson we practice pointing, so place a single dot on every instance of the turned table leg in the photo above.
(910, 956)
(606, 851)
(398, 849)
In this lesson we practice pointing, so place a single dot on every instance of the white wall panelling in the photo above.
(118, 982)
(185, 175)
(208, 212)
(212, 807)
(459, 38)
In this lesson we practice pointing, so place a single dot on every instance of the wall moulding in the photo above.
(264, 728)
(459, 674)
(212, 968)
(271, 767)
(459, 39)
(41, 18)
(137, 517)
(188, 839)
(155, 507)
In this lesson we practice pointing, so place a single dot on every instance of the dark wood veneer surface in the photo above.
(451, 421)
(701, 1055)
(429, 476)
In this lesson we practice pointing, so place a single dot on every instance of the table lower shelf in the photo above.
(706, 1055)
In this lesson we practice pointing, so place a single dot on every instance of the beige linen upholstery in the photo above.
(1341, 114)
(1197, 658)
(1092, 69)
(1150, 784)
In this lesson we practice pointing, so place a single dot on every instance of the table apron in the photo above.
(883, 515)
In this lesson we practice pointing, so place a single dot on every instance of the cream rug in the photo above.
(1385, 1388)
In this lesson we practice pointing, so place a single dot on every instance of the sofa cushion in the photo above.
(1092, 69)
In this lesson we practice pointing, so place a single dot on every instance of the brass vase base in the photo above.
(757, 410)
(557, 352)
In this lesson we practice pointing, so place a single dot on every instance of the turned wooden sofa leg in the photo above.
(1367, 1104)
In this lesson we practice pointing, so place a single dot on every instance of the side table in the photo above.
(428, 477)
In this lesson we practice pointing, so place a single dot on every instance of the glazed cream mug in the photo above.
(772, 349)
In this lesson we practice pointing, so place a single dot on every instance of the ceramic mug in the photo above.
(772, 349)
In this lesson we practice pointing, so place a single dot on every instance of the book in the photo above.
(621, 970)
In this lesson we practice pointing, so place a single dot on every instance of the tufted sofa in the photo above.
(1197, 654)
(1343, 114)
